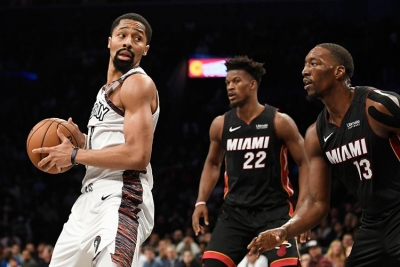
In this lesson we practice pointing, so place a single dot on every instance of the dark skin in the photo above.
(242, 93)
(326, 78)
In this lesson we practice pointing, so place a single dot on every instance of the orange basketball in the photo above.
(44, 134)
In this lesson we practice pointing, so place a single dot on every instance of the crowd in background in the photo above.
(53, 60)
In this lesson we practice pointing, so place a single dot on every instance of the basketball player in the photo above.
(253, 140)
(355, 138)
(115, 212)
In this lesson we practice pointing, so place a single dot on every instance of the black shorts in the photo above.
(377, 242)
(236, 228)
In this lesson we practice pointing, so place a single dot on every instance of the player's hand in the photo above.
(77, 132)
(59, 156)
(200, 211)
(304, 237)
(267, 240)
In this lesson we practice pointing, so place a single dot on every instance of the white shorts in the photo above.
(107, 225)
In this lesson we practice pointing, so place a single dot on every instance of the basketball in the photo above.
(44, 134)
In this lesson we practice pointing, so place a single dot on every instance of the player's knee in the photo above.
(213, 263)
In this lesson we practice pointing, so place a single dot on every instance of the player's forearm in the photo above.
(121, 157)
(303, 185)
(308, 215)
(208, 180)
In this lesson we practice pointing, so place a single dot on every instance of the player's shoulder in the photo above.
(282, 119)
(311, 132)
(140, 84)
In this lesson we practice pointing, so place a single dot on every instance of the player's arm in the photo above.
(286, 130)
(212, 164)
(210, 173)
(317, 202)
(383, 112)
(136, 95)
(312, 210)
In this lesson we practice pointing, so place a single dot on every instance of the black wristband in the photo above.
(73, 155)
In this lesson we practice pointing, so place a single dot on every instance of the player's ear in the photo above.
(253, 84)
(146, 49)
(109, 41)
(340, 71)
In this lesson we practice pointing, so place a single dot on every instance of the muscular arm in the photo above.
(383, 112)
(287, 130)
(212, 165)
(316, 205)
(136, 95)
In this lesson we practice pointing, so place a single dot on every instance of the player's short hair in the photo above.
(137, 17)
(255, 69)
(341, 55)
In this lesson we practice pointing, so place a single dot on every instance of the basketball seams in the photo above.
(33, 131)
(43, 134)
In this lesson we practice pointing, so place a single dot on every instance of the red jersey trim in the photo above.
(295, 262)
(395, 144)
(218, 256)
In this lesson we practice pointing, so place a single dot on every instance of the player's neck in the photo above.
(337, 104)
(112, 73)
(249, 111)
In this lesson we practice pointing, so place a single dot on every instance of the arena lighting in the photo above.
(207, 67)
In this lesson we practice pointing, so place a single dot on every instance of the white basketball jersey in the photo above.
(106, 128)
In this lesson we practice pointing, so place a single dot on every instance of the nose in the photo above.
(306, 70)
(229, 86)
(128, 43)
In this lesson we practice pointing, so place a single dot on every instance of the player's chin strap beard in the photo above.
(114, 85)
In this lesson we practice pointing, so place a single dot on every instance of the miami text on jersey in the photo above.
(347, 151)
(247, 143)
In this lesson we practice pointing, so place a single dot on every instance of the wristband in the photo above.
(199, 203)
(73, 155)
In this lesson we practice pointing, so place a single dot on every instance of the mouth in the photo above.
(231, 96)
(124, 55)
(307, 83)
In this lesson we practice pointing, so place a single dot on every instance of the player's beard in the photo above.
(313, 97)
(123, 65)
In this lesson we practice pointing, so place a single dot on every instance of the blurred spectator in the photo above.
(172, 256)
(325, 233)
(305, 260)
(45, 256)
(317, 258)
(347, 240)
(253, 261)
(188, 260)
(188, 244)
(162, 250)
(27, 259)
(336, 254)
(150, 254)
(5, 257)
(338, 228)
(177, 236)
(13, 262)
(142, 257)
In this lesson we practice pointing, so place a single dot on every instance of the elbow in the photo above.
(139, 162)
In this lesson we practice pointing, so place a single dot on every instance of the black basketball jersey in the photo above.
(256, 162)
(366, 163)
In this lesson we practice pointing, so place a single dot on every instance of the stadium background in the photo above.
(53, 60)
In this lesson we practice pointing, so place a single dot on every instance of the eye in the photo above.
(121, 35)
